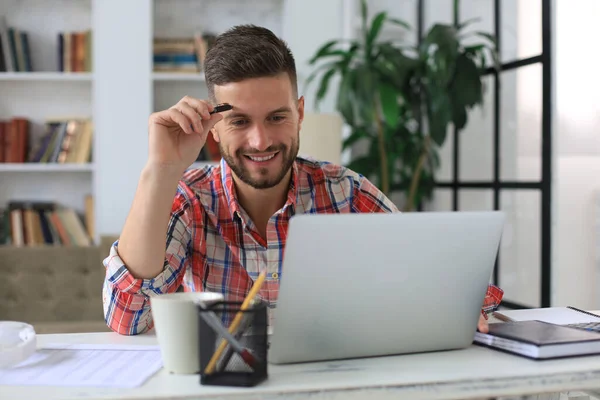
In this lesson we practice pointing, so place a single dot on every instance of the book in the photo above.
(539, 340)
(554, 315)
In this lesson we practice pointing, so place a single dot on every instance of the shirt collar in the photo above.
(231, 196)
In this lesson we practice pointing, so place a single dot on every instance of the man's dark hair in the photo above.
(244, 52)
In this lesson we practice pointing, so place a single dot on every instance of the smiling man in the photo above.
(225, 224)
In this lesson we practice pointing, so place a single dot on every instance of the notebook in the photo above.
(539, 340)
(567, 316)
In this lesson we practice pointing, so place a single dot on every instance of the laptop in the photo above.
(364, 285)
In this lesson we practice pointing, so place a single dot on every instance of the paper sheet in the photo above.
(117, 366)
(553, 315)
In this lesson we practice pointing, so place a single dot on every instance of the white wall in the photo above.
(122, 104)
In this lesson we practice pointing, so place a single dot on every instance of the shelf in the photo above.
(45, 167)
(46, 76)
(178, 76)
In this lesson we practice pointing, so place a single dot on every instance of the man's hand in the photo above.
(177, 135)
(482, 326)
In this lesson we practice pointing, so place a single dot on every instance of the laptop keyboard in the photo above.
(588, 326)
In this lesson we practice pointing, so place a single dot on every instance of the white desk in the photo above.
(475, 372)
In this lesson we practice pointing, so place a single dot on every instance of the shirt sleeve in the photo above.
(369, 199)
(492, 299)
(126, 299)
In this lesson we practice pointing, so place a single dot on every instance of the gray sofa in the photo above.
(56, 289)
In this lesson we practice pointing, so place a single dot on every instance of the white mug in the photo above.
(175, 318)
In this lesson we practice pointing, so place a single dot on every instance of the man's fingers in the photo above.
(177, 116)
(192, 115)
(482, 326)
(201, 107)
(208, 125)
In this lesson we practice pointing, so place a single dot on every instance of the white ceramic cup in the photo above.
(175, 318)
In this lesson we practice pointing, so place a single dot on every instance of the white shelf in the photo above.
(178, 76)
(45, 167)
(46, 76)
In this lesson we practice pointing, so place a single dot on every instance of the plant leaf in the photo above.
(376, 26)
(389, 104)
(316, 72)
(465, 87)
(365, 86)
(477, 48)
(354, 137)
(329, 66)
(399, 22)
(459, 116)
(345, 98)
(439, 114)
(322, 51)
(325, 83)
(363, 15)
(488, 36)
(465, 90)
(395, 66)
(464, 24)
(364, 165)
(445, 38)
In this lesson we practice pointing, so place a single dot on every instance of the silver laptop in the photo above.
(361, 285)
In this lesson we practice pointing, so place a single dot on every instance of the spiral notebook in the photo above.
(567, 316)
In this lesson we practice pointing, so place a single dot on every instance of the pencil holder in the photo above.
(233, 344)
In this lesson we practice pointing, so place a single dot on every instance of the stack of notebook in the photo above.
(544, 333)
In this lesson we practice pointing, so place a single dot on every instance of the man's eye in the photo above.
(238, 122)
(277, 118)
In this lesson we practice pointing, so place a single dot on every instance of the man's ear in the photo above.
(215, 134)
(300, 110)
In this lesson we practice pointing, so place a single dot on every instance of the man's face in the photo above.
(259, 138)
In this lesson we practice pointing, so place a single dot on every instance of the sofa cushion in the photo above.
(51, 283)
(55, 288)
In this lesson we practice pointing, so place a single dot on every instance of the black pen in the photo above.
(218, 108)
(221, 108)
(213, 321)
(247, 319)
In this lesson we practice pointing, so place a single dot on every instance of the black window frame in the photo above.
(544, 185)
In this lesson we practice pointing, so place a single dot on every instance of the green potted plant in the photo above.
(402, 99)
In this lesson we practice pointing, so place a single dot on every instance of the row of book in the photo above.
(185, 55)
(63, 141)
(74, 50)
(15, 54)
(34, 223)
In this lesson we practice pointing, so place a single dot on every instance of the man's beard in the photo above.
(236, 164)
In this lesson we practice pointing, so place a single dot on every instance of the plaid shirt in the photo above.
(212, 245)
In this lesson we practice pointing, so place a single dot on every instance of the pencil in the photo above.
(236, 321)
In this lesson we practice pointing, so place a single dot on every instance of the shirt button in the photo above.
(274, 275)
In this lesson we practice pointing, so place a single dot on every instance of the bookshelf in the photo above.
(41, 85)
(180, 20)
(176, 77)
(122, 89)
(42, 168)
(46, 77)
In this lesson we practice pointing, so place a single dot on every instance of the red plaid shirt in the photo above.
(212, 245)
